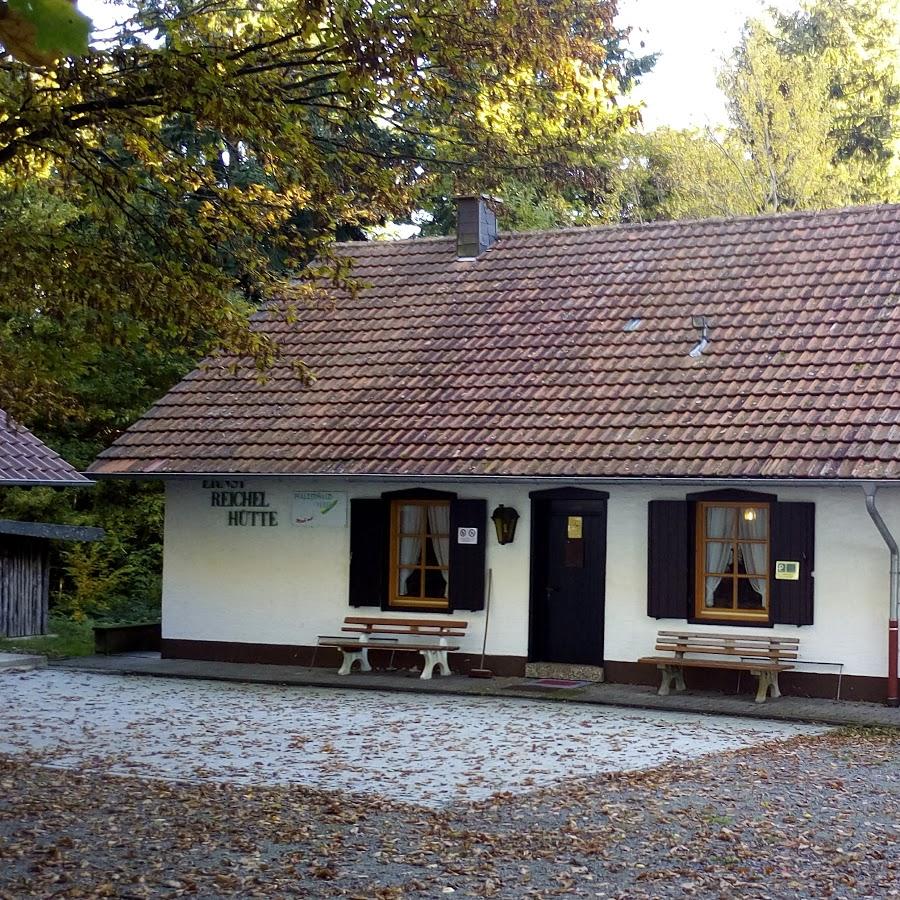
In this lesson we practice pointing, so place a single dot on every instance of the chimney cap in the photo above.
(475, 196)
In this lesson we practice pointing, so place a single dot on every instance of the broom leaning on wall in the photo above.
(481, 671)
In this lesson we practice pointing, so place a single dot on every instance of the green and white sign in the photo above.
(787, 570)
(320, 509)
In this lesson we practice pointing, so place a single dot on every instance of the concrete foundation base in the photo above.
(564, 670)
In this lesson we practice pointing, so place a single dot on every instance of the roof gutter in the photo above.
(893, 688)
(46, 482)
(507, 479)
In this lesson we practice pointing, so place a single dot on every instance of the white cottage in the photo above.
(698, 424)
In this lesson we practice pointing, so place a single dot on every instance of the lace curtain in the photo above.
(720, 534)
(755, 555)
(412, 522)
(439, 524)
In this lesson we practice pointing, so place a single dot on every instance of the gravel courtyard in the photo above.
(526, 799)
(428, 750)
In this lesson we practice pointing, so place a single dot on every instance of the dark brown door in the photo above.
(568, 578)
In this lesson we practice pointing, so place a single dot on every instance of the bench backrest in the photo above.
(751, 646)
(423, 627)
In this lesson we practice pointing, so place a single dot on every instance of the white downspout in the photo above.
(893, 691)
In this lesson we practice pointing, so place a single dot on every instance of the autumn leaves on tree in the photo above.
(157, 188)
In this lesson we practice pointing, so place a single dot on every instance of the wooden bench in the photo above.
(762, 655)
(427, 636)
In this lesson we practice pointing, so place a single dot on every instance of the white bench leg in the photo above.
(434, 658)
(767, 685)
(671, 677)
(352, 656)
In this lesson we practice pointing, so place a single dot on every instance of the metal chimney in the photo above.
(476, 225)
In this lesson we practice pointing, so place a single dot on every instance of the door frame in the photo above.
(570, 501)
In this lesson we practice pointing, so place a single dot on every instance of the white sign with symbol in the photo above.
(466, 535)
(786, 570)
(317, 509)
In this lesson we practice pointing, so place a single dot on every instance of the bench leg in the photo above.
(767, 686)
(434, 658)
(671, 677)
(352, 656)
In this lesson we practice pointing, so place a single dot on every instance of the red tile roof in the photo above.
(519, 363)
(24, 460)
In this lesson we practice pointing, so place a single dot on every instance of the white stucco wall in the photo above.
(287, 584)
(851, 578)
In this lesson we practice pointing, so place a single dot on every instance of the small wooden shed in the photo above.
(25, 572)
(24, 546)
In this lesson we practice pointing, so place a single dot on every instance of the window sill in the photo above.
(743, 623)
(439, 610)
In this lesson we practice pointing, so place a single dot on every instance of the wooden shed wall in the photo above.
(24, 586)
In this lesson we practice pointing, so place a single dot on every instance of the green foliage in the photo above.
(671, 174)
(781, 126)
(114, 580)
(857, 46)
(814, 103)
(578, 189)
(93, 577)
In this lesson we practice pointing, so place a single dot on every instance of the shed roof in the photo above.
(46, 531)
(567, 353)
(26, 461)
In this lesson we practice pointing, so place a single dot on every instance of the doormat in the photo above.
(551, 684)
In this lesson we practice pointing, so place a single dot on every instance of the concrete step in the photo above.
(564, 670)
(21, 662)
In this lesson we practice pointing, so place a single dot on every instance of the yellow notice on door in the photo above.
(574, 528)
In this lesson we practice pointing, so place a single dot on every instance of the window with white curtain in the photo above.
(420, 550)
(732, 561)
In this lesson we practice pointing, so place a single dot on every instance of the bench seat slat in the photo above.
(755, 652)
(355, 645)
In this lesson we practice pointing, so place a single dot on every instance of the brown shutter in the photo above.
(793, 538)
(669, 570)
(370, 535)
(467, 560)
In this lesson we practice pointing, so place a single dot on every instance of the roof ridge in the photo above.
(619, 227)
(712, 220)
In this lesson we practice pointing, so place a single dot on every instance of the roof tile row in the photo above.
(518, 363)
(24, 460)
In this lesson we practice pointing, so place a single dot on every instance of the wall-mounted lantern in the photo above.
(504, 519)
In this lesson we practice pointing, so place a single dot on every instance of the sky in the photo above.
(692, 37)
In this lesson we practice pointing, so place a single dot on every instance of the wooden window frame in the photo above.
(404, 602)
(701, 611)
